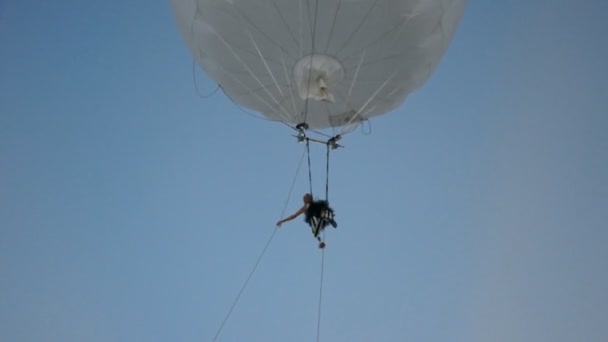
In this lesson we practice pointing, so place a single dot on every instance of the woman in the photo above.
(318, 214)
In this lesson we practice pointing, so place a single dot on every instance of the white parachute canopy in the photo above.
(329, 63)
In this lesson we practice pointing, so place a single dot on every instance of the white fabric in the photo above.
(371, 54)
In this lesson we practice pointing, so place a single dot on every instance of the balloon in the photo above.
(329, 63)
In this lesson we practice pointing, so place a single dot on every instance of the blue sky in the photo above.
(474, 212)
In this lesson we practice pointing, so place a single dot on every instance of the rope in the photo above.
(196, 84)
(243, 109)
(309, 168)
(327, 176)
(323, 252)
(320, 291)
(263, 251)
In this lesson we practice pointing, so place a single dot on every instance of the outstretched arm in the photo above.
(293, 216)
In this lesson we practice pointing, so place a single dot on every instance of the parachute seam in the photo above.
(376, 40)
(383, 59)
(255, 45)
(352, 85)
(262, 32)
(243, 110)
(285, 22)
(312, 51)
(258, 88)
(263, 101)
(237, 47)
(333, 26)
(352, 35)
(239, 59)
(301, 44)
(291, 93)
(371, 98)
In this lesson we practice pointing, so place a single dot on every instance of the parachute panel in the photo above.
(366, 57)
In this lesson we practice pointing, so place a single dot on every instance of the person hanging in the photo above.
(317, 214)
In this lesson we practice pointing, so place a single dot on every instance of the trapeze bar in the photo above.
(332, 143)
(302, 137)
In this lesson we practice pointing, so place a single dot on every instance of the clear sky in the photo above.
(133, 210)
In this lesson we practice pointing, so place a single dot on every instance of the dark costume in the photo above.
(318, 215)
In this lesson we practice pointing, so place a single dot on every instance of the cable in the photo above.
(309, 168)
(196, 84)
(320, 133)
(327, 176)
(323, 250)
(262, 253)
(369, 124)
(321, 291)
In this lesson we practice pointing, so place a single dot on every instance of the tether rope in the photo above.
(327, 176)
(320, 291)
(309, 167)
(263, 251)
(323, 251)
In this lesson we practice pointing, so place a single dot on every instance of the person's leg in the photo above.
(320, 226)
(328, 215)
